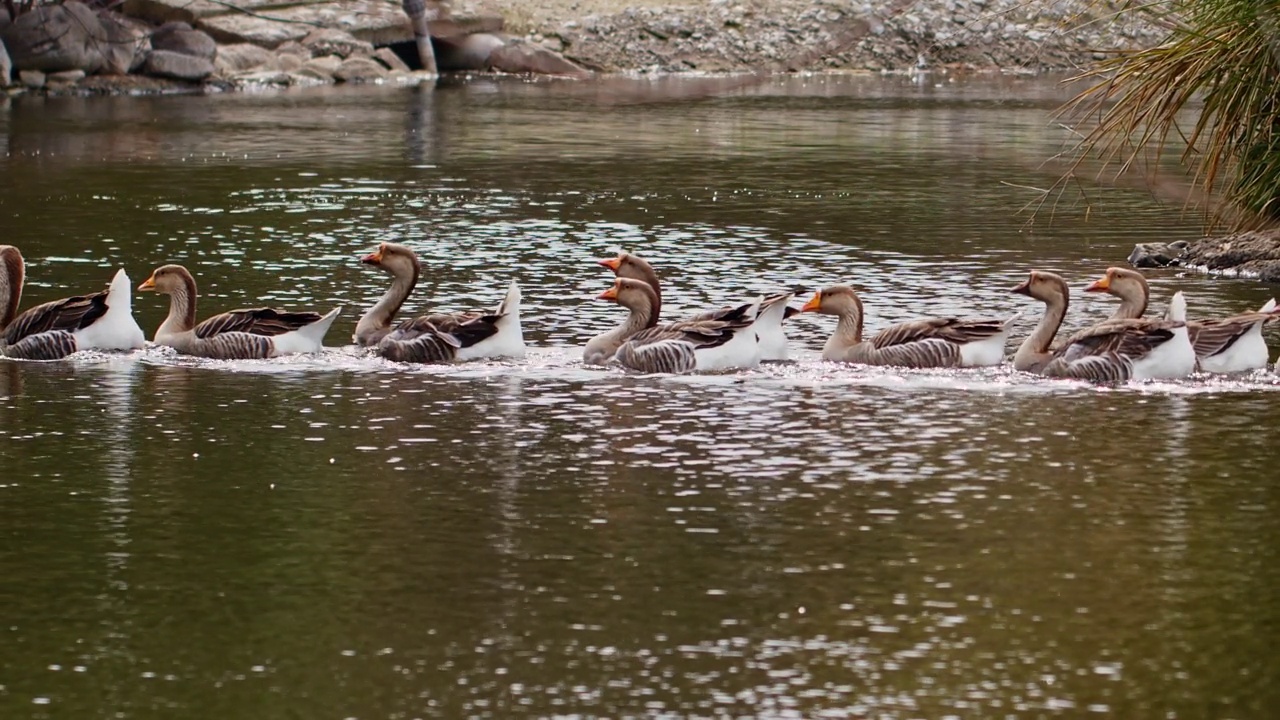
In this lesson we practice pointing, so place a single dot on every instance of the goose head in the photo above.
(170, 280)
(633, 267)
(394, 259)
(1047, 287)
(835, 300)
(634, 295)
(1128, 285)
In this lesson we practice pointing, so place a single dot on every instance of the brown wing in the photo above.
(257, 321)
(68, 314)
(457, 329)
(1127, 338)
(950, 329)
(1211, 337)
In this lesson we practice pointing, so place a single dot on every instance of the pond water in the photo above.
(341, 537)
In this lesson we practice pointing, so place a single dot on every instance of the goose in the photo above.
(1110, 351)
(54, 330)
(1035, 353)
(438, 337)
(643, 314)
(724, 343)
(246, 334)
(927, 343)
(773, 309)
(1223, 345)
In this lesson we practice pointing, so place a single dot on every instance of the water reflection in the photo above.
(340, 535)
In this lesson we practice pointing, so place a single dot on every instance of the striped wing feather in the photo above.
(265, 321)
(69, 314)
(437, 337)
(952, 330)
(1210, 337)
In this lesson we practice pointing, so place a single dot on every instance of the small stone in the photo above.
(326, 64)
(288, 62)
(319, 76)
(293, 47)
(241, 57)
(327, 41)
(66, 77)
(359, 69)
(166, 63)
(33, 79)
(262, 78)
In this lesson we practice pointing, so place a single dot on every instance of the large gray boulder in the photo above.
(4, 18)
(169, 64)
(327, 41)
(51, 38)
(179, 37)
(127, 45)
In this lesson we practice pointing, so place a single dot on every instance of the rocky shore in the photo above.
(1246, 254)
(201, 45)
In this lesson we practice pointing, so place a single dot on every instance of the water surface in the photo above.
(338, 536)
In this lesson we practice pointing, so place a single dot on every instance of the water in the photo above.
(341, 537)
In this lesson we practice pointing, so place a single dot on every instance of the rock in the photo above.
(1157, 254)
(1255, 253)
(390, 59)
(326, 65)
(359, 69)
(468, 53)
(293, 47)
(288, 62)
(178, 37)
(241, 57)
(169, 64)
(262, 78)
(66, 77)
(128, 42)
(326, 41)
(56, 37)
(530, 59)
(306, 78)
(33, 79)
(319, 76)
(4, 18)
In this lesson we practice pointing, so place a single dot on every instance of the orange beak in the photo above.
(814, 304)
(610, 294)
(149, 283)
(612, 263)
(373, 258)
(1100, 285)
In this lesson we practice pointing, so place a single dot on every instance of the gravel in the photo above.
(733, 35)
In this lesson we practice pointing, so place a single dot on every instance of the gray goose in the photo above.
(725, 343)
(437, 337)
(53, 330)
(927, 343)
(773, 309)
(1112, 351)
(245, 334)
(1222, 345)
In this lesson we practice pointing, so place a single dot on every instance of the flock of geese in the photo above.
(1125, 346)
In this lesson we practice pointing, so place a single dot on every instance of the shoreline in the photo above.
(708, 38)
